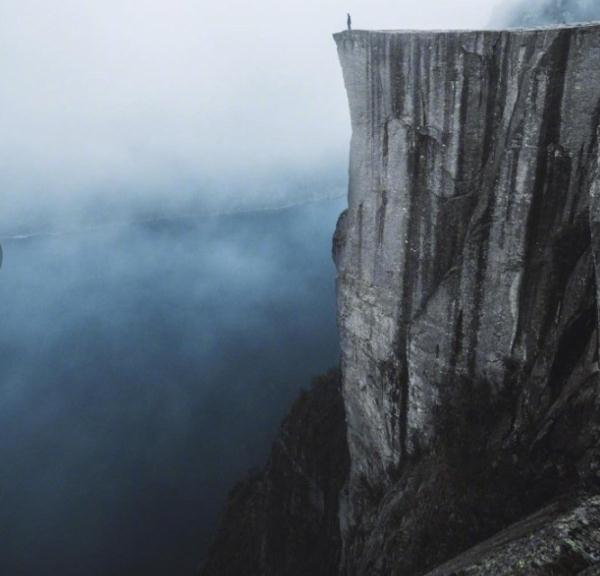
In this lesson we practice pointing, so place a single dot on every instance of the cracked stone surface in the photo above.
(467, 296)
(563, 538)
(466, 250)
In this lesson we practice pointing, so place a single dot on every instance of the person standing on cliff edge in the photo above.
(349, 21)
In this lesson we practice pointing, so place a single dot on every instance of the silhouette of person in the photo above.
(349, 20)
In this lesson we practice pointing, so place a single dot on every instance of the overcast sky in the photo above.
(149, 99)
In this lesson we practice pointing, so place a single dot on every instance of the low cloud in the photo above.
(546, 12)
(153, 104)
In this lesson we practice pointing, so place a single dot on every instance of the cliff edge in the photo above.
(468, 305)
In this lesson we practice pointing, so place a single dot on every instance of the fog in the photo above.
(153, 106)
(143, 370)
(148, 351)
(545, 12)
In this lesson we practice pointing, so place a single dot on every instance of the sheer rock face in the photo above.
(467, 305)
(465, 255)
(283, 520)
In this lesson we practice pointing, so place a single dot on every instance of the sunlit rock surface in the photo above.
(467, 295)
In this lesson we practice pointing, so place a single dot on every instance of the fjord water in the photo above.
(143, 369)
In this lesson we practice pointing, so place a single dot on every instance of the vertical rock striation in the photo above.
(468, 266)
(465, 253)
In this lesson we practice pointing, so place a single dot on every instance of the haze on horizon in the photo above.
(166, 106)
(134, 360)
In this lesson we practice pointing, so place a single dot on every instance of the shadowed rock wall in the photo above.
(465, 253)
(468, 312)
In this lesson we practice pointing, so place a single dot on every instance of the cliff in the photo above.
(284, 519)
(467, 304)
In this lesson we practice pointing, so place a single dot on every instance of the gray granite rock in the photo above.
(468, 266)
(562, 538)
(466, 251)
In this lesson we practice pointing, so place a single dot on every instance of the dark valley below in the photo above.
(144, 368)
